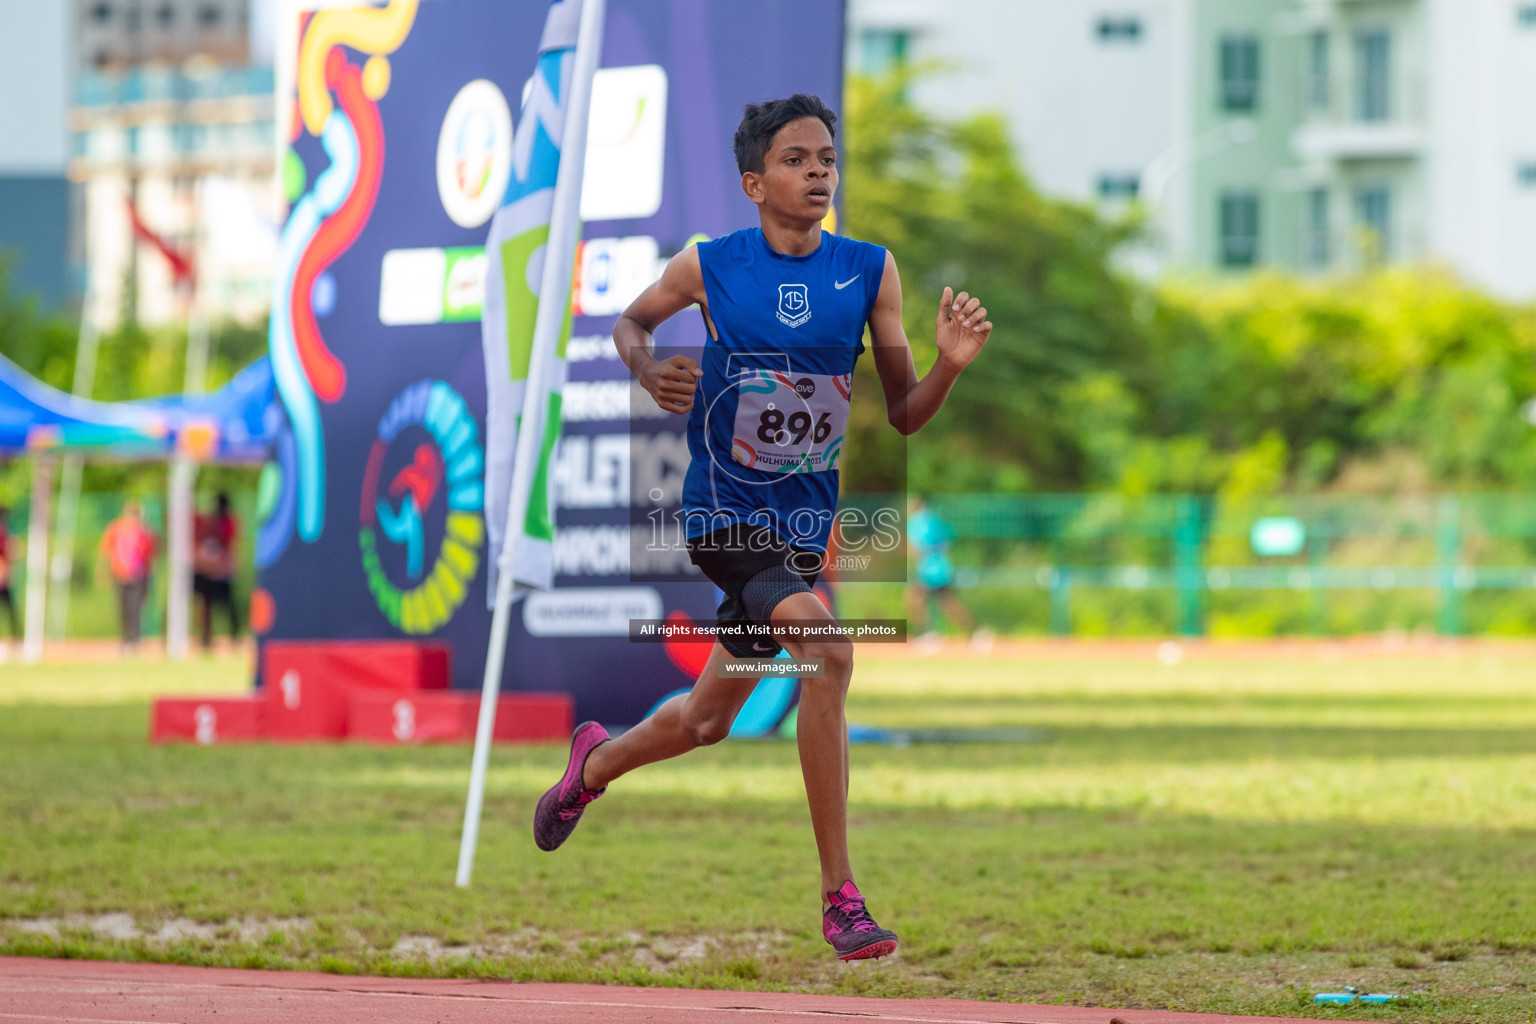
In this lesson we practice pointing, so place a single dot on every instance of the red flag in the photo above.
(181, 263)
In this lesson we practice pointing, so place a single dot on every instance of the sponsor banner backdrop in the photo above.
(399, 150)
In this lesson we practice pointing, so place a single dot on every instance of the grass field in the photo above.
(1225, 835)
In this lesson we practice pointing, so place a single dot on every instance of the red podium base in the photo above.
(378, 717)
(308, 683)
(207, 719)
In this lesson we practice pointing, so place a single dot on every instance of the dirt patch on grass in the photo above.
(120, 927)
(658, 954)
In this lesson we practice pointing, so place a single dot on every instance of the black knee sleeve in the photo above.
(760, 595)
(763, 592)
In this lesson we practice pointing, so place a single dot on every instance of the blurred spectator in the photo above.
(213, 567)
(6, 549)
(933, 579)
(128, 552)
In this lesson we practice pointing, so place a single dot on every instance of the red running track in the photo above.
(91, 992)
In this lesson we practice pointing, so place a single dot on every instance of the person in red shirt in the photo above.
(128, 551)
(213, 567)
(6, 549)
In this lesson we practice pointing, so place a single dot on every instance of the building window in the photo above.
(1373, 216)
(1119, 186)
(1373, 75)
(1239, 224)
(1526, 15)
(1317, 72)
(1125, 29)
(883, 50)
(1525, 174)
(101, 13)
(1240, 74)
(166, 15)
(1318, 248)
(209, 16)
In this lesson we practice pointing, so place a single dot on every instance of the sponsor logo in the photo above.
(474, 154)
(589, 611)
(411, 286)
(794, 304)
(464, 290)
(840, 285)
(805, 387)
(612, 272)
(626, 144)
(435, 286)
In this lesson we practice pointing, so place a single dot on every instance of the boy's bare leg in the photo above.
(917, 608)
(958, 613)
(698, 718)
(822, 734)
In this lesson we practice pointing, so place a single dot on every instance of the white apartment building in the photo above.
(1318, 135)
(35, 74)
(171, 118)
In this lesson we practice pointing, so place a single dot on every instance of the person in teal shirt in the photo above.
(933, 574)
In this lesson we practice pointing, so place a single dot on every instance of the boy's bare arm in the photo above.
(962, 329)
(671, 381)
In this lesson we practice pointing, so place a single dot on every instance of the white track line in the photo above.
(6, 1015)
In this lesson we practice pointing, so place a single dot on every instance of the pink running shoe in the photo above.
(560, 809)
(850, 929)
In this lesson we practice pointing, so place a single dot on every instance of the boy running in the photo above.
(785, 306)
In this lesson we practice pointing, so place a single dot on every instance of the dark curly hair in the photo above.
(760, 122)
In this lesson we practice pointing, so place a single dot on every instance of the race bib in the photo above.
(790, 422)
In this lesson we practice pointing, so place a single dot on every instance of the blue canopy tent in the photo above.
(231, 425)
(235, 424)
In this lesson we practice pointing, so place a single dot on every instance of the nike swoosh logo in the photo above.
(840, 285)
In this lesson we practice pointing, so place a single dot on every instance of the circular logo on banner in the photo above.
(474, 154)
(423, 498)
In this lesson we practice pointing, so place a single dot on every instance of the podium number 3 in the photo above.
(405, 720)
(290, 686)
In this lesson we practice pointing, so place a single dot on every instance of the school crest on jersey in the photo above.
(794, 304)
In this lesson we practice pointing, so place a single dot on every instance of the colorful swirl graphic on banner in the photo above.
(326, 219)
(452, 464)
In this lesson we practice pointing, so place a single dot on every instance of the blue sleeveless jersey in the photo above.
(767, 425)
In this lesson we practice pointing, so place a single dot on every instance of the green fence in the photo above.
(92, 600)
(1105, 565)
(1304, 558)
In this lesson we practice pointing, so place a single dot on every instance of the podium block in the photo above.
(307, 683)
(207, 720)
(375, 716)
(527, 717)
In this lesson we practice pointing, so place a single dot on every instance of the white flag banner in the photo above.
(525, 323)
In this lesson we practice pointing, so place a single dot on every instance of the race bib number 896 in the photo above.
(790, 423)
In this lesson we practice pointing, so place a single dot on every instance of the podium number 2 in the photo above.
(206, 721)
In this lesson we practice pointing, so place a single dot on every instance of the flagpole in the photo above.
(554, 303)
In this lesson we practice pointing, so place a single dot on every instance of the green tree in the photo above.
(1094, 380)
(954, 206)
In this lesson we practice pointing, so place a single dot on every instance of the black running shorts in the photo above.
(737, 555)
